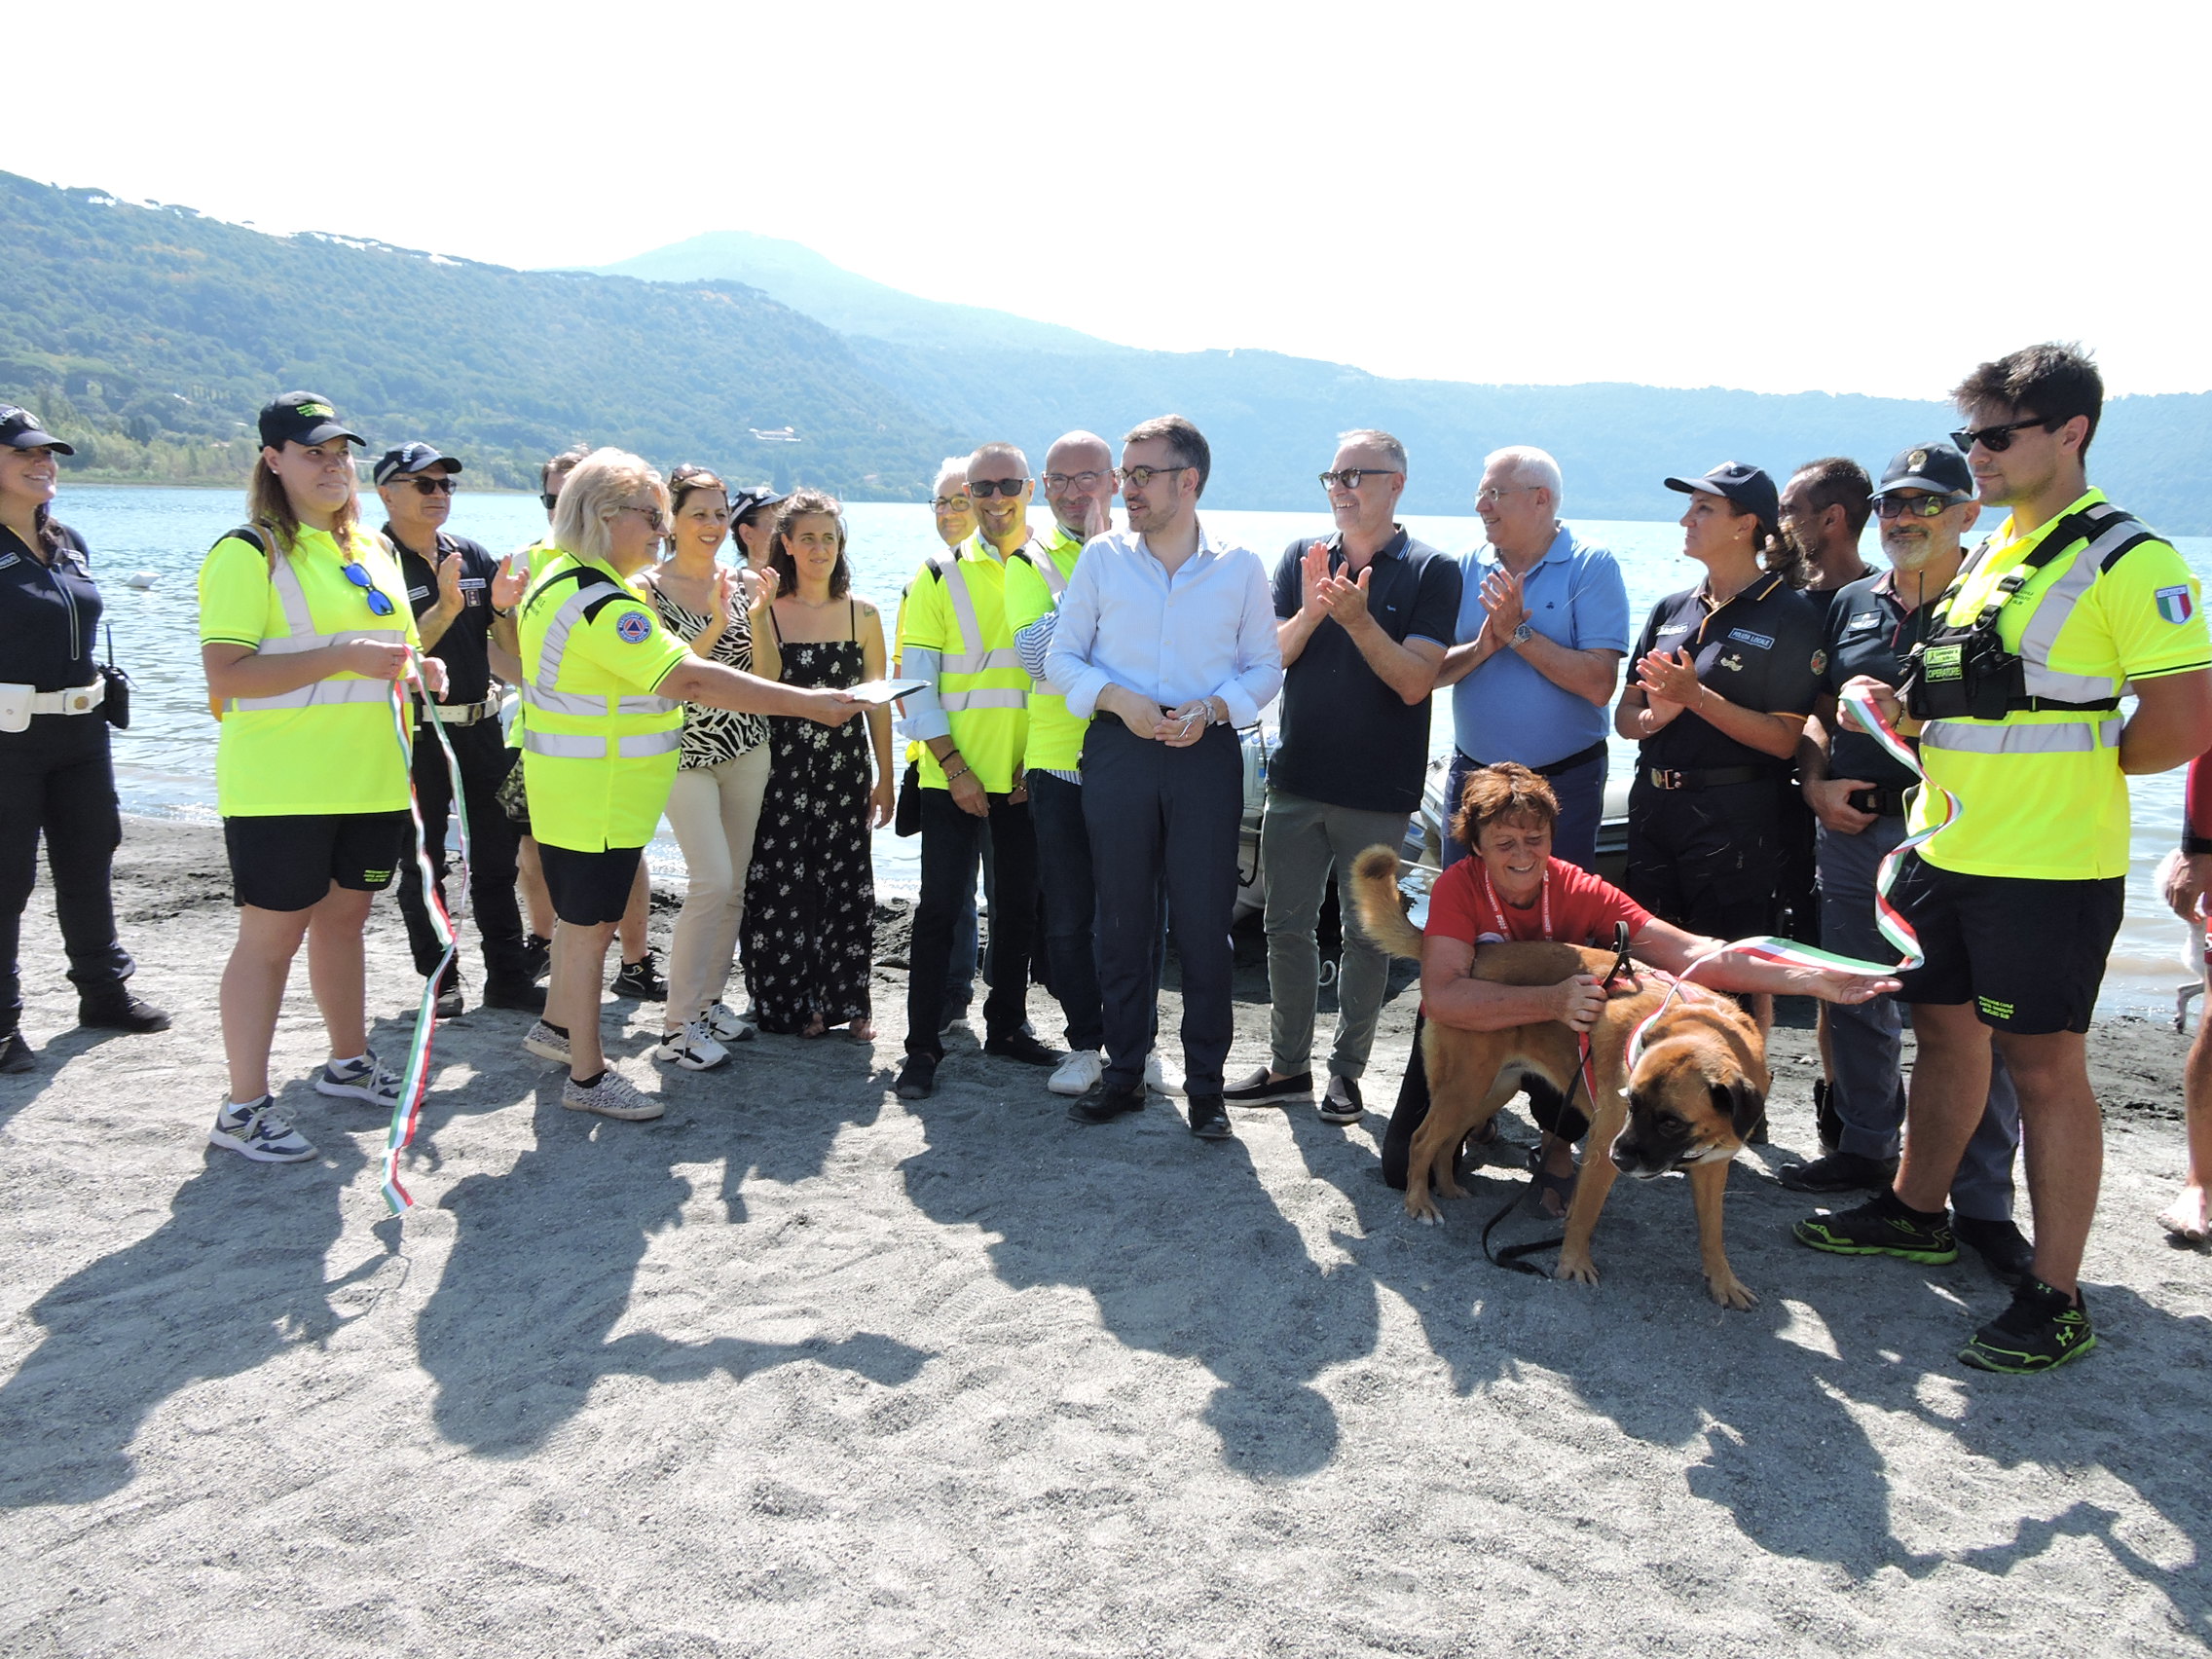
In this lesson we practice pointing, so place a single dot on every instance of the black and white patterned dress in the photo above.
(715, 735)
(810, 896)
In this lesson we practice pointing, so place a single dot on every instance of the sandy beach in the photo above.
(801, 1369)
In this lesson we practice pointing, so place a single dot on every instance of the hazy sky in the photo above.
(1854, 197)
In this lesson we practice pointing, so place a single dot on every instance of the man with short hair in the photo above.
(1857, 791)
(1365, 618)
(972, 721)
(2015, 698)
(1165, 645)
(1825, 507)
(450, 581)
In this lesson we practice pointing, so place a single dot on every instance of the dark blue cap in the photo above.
(19, 429)
(1936, 467)
(411, 458)
(1745, 484)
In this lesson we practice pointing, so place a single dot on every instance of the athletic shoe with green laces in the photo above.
(2044, 1328)
(1880, 1227)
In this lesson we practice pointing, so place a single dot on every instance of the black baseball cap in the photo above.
(411, 458)
(751, 498)
(302, 418)
(19, 429)
(1745, 484)
(1936, 467)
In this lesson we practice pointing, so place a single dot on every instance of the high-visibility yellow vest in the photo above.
(599, 745)
(956, 608)
(1036, 575)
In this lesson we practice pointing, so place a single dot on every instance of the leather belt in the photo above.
(1708, 778)
(1882, 803)
(460, 713)
(1552, 768)
(76, 700)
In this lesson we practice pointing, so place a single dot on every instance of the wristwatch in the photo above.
(1521, 635)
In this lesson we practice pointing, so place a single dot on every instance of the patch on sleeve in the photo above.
(2175, 605)
(1820, 662)
(633, 626)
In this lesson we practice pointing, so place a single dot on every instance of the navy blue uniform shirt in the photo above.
(1760, 650)
(463, 646)
(1871, 631)
(48, 613)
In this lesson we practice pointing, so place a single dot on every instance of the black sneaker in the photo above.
(525, 996)
(119, 1010)
(1209, 1118)
(1259, 1090)
(2042, 1329)
(16, 1055)
(1839, 1172)
(1340, 1102)
(1880, 1227)
(2002, 1246)
(641, 979)
(449, 1003)
(1105, 1103)
(917, 1078)
(537, 955)
(1022, 1045)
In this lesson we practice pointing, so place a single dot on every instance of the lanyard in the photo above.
(1497, 906)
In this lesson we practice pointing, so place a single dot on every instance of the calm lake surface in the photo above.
(165, 762)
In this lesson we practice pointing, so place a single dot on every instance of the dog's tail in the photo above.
(1375, 878)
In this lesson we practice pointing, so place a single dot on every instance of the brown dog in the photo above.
(1696, 1093)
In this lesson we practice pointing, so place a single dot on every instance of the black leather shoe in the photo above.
(1827, 1119)
(1209, 1118)
(1020, 1045)
(119, 1011)
(2004, 1250)
(449, 1003)
(537, 955)
(1106, 1102)
(917, 1078)
(16, 1055)
(525, 995)
(1839, 1172)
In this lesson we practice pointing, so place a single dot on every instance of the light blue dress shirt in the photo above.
(1507, 711)
(1208, 631)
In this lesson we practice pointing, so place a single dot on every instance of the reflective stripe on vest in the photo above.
(952, 702)
(292, 599)
(582, 745)
(1046, 565)
(555, 647)
(955, 581)
(2059, 737)
(2057, 604)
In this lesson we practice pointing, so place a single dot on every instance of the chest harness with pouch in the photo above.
(1962, 670)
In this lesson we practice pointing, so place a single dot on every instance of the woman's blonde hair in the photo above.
(268, 507)
(603, 482)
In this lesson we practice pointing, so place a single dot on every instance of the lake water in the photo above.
(165, 762)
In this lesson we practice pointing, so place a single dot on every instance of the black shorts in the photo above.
(2029, 955)
(1711, 861)
(290, 861)
(589, 889)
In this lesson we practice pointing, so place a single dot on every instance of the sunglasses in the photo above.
(439, 486)
(652, 516)
(1998, 439)
(1141, 476)
(549, 503)
(1351, 476)
(379, 605)
(1915, 507)
(987, 487)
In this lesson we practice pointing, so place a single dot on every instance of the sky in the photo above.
(1852, 197)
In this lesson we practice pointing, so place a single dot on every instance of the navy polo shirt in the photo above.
(464, 647)
(1871, 631)
(48, 613)
(1762, 649)
(1347, 739)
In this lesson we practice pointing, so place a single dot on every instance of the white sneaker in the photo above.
(1078, 1073)
(361, 1080)
(255, 1131)
(614, 1095)
(691, 1047)
(725, 1025)
(546, 1043)
(1159, 1075)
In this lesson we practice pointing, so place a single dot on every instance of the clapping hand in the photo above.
(718, 592)
(1504, 604)
(1346, 600)
(510, 584)
(449, 582)
(1313, 578)
(1669, 676)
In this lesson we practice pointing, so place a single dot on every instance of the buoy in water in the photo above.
(142, 579)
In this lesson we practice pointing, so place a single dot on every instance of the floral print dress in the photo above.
(810, 895)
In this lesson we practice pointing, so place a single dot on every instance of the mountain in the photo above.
(149, 336)
(804, 280)
(1272, 419)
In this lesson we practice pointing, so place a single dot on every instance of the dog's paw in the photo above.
(1731, 1292)
(1450, 1189)
(1423, 1208)
(1580, 1269)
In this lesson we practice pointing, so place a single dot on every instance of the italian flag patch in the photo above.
(2175, 605)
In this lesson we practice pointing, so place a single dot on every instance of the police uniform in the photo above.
(1704, 841)
(600, 746)
(53, 764)
(2018, 902)
(469, 711)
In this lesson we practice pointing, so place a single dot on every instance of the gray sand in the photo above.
(801, 1370)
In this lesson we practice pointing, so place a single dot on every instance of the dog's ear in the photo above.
(1739, 1103)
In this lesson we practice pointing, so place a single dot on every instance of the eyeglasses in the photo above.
(1057, 483)
(380, 604)
(1998, 439)
(1005, 487)
(1141, 476)
(440, 486)
(654, 516)
(1351, 476)
(1495, 494)
(951, 503)
(1916, 506)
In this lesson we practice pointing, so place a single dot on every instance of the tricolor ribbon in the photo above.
(1887, 917)
(416, 1082)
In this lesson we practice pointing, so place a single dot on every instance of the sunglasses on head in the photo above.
(987, 487)
(379, 605)
(442, 485)
(1998, 439)
(1915, 507)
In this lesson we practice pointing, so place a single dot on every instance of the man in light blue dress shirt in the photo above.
(1166, 644)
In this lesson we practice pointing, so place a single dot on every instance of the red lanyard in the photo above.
(1497, 906)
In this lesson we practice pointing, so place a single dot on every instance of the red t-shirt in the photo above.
(1462, 904)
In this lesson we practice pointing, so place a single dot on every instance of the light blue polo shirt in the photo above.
(1505, 710)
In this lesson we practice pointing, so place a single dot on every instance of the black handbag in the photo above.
(906, 816)
(115, 702)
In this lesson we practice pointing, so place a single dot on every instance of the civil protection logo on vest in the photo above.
(633, 626)
(2174, 603)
